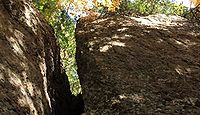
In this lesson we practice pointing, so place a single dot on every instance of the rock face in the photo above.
(147, 65)
(31, 79)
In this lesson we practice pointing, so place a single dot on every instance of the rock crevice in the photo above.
(32, 81)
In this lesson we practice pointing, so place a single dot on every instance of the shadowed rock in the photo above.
(147, 65)
(31, 79)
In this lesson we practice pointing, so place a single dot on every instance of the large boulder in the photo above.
(31, 79)
(146, 65)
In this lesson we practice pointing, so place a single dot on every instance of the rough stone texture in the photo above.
(31, 79)
(147, 65)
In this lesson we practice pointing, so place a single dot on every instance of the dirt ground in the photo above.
(139, 66)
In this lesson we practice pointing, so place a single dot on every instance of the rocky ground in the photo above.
(144, 65)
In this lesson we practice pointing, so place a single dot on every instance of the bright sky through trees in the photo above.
(74, 12)
(186, 3)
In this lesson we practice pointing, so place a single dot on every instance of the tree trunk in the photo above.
(31, 79)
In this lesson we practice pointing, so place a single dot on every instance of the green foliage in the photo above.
(64, 28)
(147, 7)
(48, 8)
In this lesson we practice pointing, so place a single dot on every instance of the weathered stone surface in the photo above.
(31, 79)
(148, 65)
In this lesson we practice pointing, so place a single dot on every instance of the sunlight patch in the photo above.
(179, 70)
(30, 21)
(115, 101)
(194, 33)
(25, 100)
(16, 46)
(181, 43)
(105, 48)
(133, 97)
(115, 36)
(189, 43)
(122, 29)
(100, 20)
(2, 78)
(28, 16)
(160, 20)
(117, 43)
(43, 68)
(19, 35)
(126, 35)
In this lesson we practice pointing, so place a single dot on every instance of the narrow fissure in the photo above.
(126, 65)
